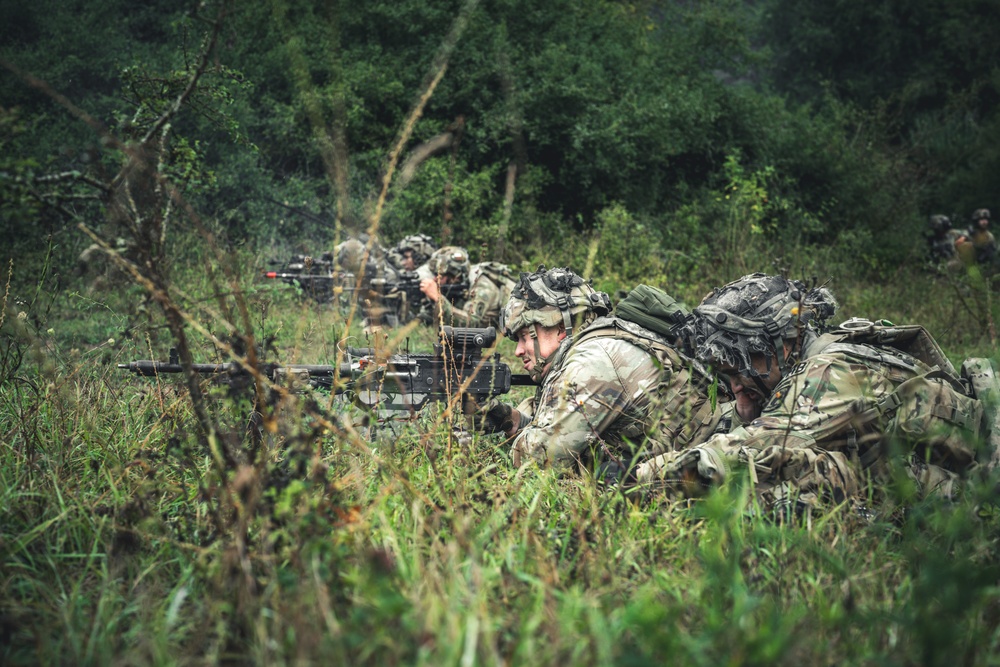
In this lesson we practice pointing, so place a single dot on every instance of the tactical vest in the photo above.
(682, 420)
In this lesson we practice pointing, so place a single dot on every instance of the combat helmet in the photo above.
(980, 214)
(939, 224)
(550, 298)
(757, 314)
(451, 261)
(350, 255)
(421, 245)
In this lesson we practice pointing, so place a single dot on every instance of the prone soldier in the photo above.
(445, 286)
(817, 415)
(411, 252)
(490, 284)
(606, 384)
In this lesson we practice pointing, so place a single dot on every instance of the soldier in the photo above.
(816, 416)
(490, 284)
(353, 253)
(444, 289)
(977, 244)
(605, 383)
(941, 240)
(412, 252)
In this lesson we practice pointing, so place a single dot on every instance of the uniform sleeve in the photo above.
(579, 401)
(820, 399)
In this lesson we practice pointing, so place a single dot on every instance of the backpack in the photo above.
(495, 271)
(653, 309)
(934, 381)
(647, 310)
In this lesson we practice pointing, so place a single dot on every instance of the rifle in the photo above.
(317, 286)
(404, 291)
(387, 301)
(400, 382)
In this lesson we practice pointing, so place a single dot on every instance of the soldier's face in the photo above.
(548, 342)
(752, 393)
(409, 264)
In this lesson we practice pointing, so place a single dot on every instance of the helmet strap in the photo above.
(536, 371)
(764, 390)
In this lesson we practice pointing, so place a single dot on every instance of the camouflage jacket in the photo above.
(977, 246)
(490, 288)
(941, 247)
(615, 392)
(833, 424)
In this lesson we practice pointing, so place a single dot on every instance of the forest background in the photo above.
(680, 144)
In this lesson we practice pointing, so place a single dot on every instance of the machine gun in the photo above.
(397, 383)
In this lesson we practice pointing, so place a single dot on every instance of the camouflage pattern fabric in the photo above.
(443, 312)
(942, 246)
(607, 390)
(486, 298)
(976, 246)
(832, 426)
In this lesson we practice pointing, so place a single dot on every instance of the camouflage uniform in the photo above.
(841, 408)
(490, 286)
(607, 392)
(941, 241)
(977, 245)
(453, 262)
(607, 387)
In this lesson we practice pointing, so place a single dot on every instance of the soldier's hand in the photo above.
(493, 416)
(431, 289)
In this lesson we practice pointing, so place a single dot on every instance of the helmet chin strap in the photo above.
(537, 370)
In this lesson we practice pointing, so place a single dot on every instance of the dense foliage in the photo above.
(154, 156)
(592, 104)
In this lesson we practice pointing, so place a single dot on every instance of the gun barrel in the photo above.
(148, 368)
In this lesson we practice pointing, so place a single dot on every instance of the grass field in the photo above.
(140, 526)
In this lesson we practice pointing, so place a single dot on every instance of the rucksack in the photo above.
(653, 309)
(495, 271)
(904, 346)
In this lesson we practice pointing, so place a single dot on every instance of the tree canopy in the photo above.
(856, 120)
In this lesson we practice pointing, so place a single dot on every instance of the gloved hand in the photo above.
(493, 416)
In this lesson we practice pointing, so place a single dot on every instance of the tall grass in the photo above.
(317, 539)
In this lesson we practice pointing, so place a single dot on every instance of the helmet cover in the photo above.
(755, 315)
(550, 298)
(451, 261)
(421, 245)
